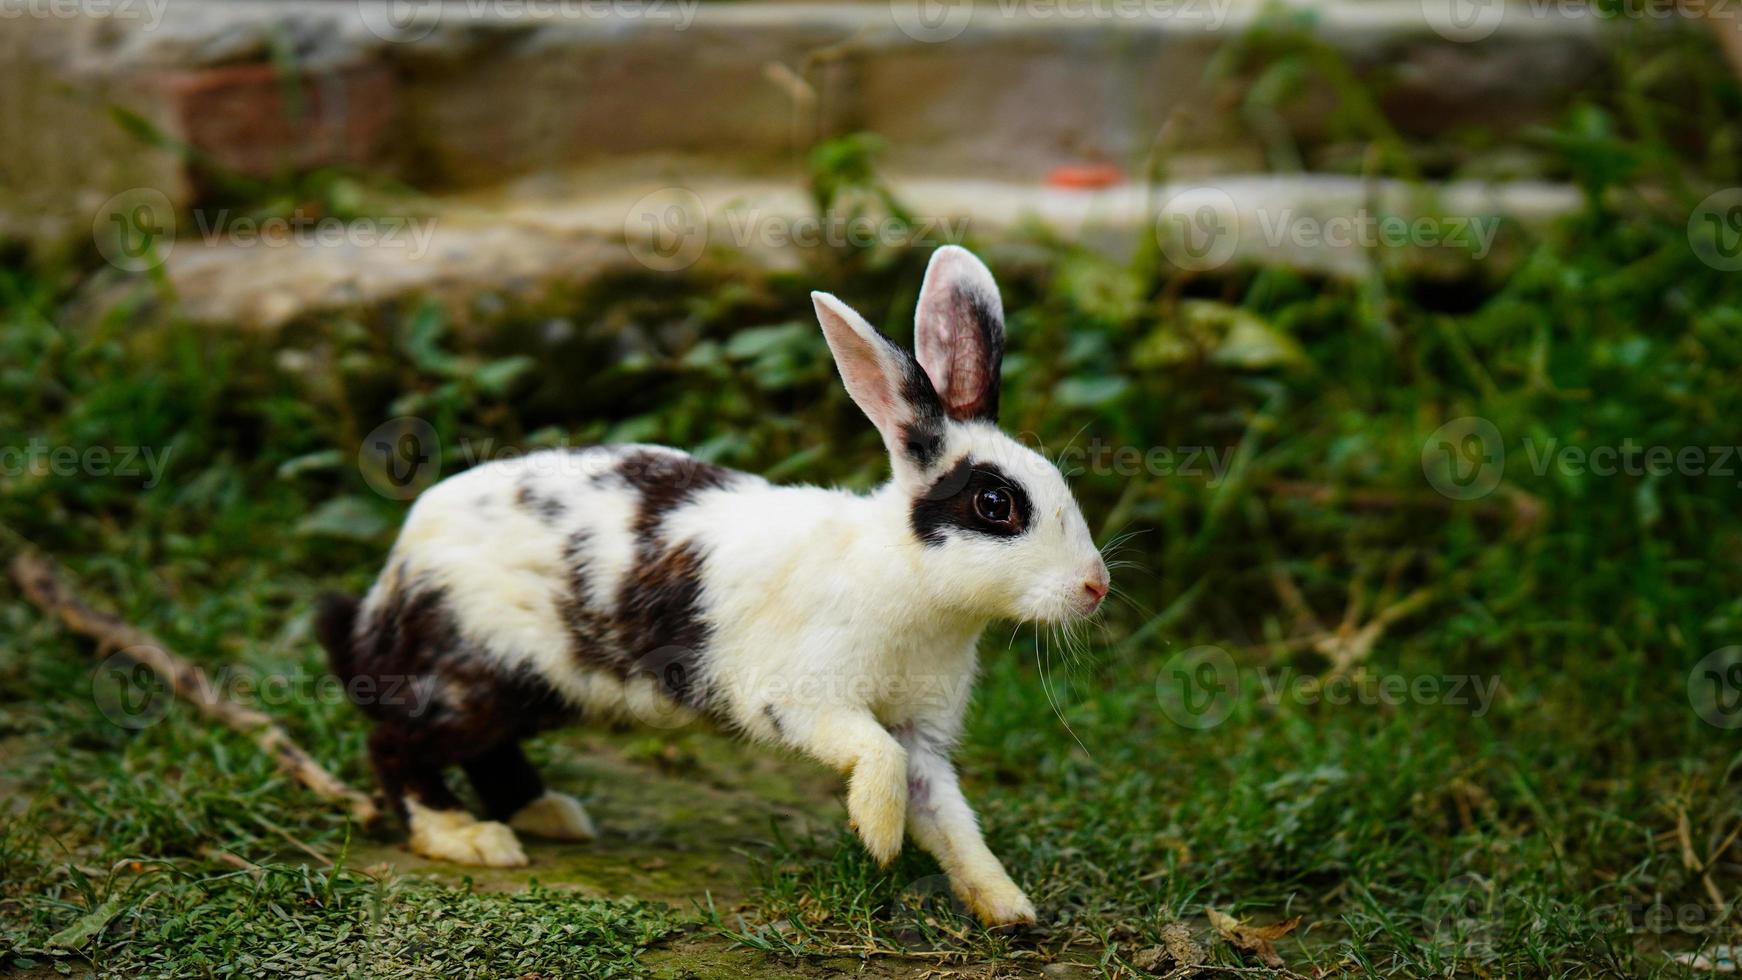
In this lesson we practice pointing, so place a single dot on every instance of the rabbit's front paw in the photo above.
(457, 836)
(877, 808)
(999, 904)
(557, 816)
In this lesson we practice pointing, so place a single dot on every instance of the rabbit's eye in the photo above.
(995, 506)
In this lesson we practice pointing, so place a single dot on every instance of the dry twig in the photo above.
(1691, 861)
(43, 584)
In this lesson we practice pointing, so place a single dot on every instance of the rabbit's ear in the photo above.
(885, 382)
(958, 332)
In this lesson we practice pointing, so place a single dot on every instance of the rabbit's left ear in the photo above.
(958, 333)
(885, 382)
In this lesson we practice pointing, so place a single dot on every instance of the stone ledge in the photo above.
(525, 242)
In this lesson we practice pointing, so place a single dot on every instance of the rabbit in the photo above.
(636, 582)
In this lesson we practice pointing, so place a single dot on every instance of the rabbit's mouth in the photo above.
(1056, 606)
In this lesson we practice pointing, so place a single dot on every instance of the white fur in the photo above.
(557, 816)
(457, 836)
(835, 630)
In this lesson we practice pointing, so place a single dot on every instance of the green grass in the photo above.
(1541, 834)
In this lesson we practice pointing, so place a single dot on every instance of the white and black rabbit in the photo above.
(635, 581)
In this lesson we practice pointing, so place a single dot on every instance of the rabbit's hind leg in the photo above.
(512, 791)
(409, 763)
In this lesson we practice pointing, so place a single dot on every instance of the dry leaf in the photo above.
(1180, 944)
(1257, 940)
(1177, 950)
(1151, 959)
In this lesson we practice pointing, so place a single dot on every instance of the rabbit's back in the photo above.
(555, 571)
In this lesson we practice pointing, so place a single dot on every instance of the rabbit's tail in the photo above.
(335, 618)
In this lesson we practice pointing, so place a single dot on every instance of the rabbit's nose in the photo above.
(1094, 590)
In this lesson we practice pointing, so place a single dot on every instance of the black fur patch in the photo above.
(549, 509)
(923, 437)
(948, 504)
(653, 626)
(991, 330)
(666, 481)
(505, 780)
(924, 442)
(437, 700)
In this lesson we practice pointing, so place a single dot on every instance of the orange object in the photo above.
(1085, 175)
